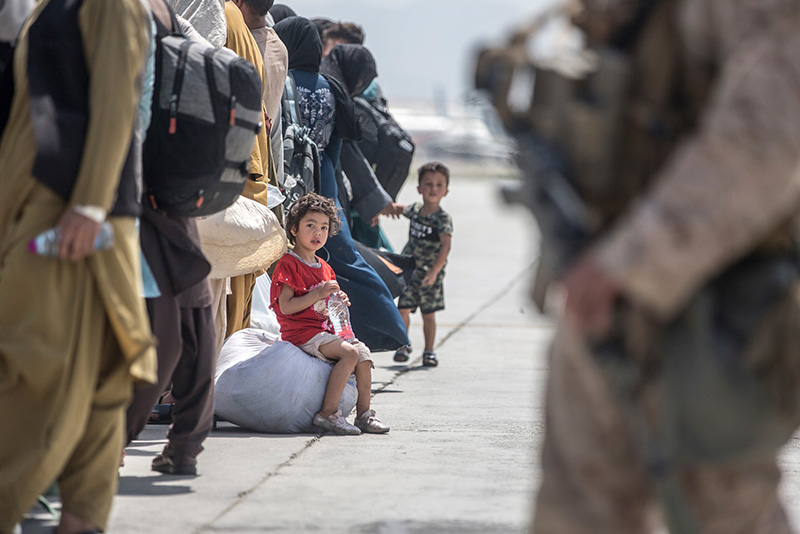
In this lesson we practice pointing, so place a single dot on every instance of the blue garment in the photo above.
(317, 107)
(372, 91)
(374, 316)
(149, 285)
(148, 80)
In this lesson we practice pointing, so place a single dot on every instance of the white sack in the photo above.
(13, 14)
(261, 315)
(272, 386)
(207, 17)
(243, 238)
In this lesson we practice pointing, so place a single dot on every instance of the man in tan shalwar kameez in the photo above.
(74, 333)
(721, 197)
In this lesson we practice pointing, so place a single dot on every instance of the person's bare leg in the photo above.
(429, 329)
(364, 386)
(405, 313)
(72, 524)
(347, 358)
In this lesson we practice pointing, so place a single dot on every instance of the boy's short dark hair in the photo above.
(261, 7)
(349, 32)
(434, 166)
(322, 24)
(316, 203)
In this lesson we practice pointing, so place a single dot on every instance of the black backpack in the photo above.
(301, 168)
(385, 144)
(206, 114)
(6, 83)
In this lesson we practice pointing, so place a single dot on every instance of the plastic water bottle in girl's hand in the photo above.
(340, 317)
(47, 243)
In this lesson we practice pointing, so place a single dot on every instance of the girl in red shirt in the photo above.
(301, 285)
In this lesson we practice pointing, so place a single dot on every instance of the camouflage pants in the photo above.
(595, 480)
(430, 299)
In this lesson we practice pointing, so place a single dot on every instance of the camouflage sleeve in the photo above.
(725, 190)
(445, 223)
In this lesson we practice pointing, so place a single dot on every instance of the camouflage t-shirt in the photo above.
(423, 233)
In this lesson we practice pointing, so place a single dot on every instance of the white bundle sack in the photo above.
(243, 238)
(268, 385)
(261, 315)
(206, 16)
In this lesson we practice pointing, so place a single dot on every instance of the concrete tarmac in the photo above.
(460, 457)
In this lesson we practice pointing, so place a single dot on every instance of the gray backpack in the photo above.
(301, 167)
(206, 114)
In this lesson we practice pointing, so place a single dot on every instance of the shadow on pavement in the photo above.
(151, 486)
(230, 430)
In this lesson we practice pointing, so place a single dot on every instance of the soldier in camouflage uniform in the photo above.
(674, 375)
(429, 234)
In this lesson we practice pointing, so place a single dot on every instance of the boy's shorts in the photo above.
(430, 299)
(311, 347)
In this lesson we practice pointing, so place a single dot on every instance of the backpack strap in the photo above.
(378, 115)
(290, 89)
(177, 83)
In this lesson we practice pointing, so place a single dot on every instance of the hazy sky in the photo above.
(422, 46)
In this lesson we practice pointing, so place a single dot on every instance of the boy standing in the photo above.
(429, 237)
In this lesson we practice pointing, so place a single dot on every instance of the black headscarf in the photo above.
(302, 43)
(305, 53)
(352, 64)
(280, 12)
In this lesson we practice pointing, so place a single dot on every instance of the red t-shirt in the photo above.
(299, 327)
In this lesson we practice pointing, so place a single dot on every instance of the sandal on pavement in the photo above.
(171, 462)
(335, 423)
(369, 423)
(402, 353)
(429, 359)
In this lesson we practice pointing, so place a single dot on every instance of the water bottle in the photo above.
(47, 243)
(340, 317)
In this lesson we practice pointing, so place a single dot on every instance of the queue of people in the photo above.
(92, 340)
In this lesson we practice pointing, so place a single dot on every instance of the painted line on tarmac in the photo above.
(522, 275)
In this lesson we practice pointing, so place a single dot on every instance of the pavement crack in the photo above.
(471, 317)
(242, 494)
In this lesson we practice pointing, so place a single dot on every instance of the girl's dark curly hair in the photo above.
(307, 203)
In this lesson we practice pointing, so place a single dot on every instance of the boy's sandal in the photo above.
(402, 354)
(429, 359)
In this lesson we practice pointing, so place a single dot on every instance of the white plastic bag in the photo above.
(272, 386)
(261, 315)
(206, 16)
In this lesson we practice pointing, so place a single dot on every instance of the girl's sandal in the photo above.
(429, 359)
